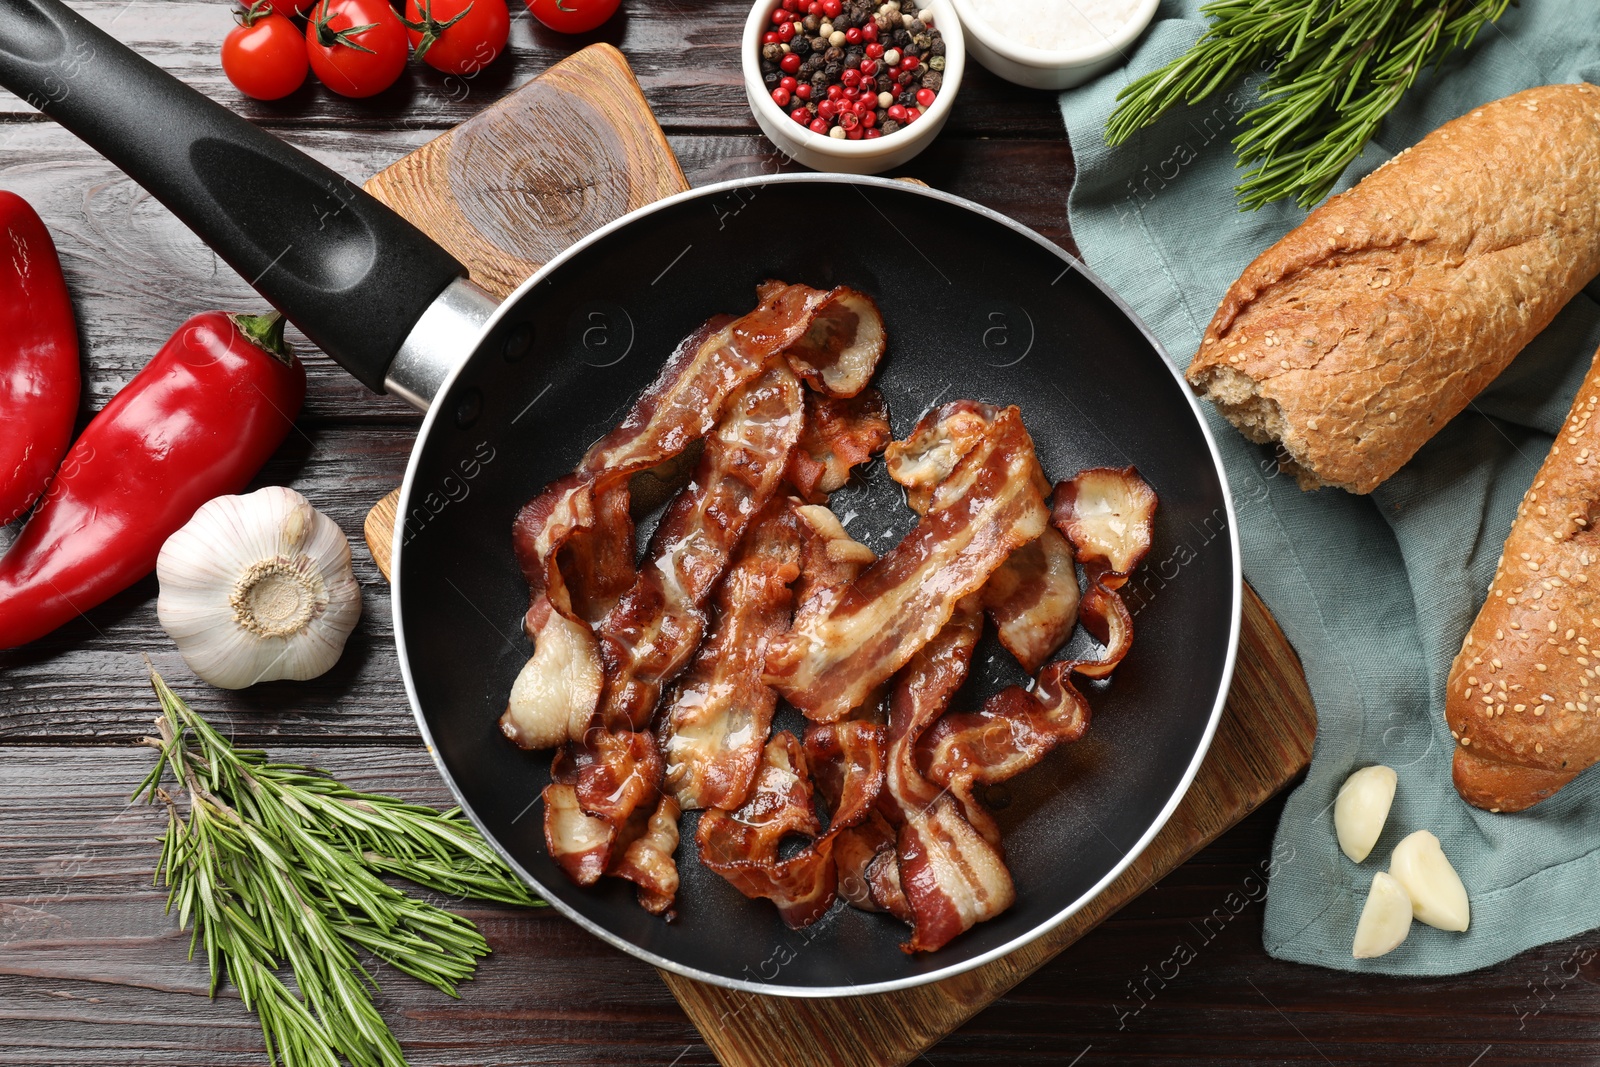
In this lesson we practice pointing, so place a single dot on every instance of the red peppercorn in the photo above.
(870, 134)
(869, 32)
(853, 35)
(790, 62)
(780, 96)
(791, 5)
(851, 77)
(787, 83)
(909, 63)
(869, 66)
(780, 17)
(831, 8)
(855, 134)
(849, 120)
(835, 91)
(770, 37)
(870, 119)
(803, 91)
(897, 113)
(827, 109)
(913, 114)
(925, 97)
(819, 125)
(874, 51)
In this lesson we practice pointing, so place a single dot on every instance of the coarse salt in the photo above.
(1055, 25)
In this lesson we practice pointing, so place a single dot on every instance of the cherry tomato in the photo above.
(572, 16)
(263, 56)
(458, 36)
(357, 47)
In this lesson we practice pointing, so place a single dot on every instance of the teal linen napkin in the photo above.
(1375, 592)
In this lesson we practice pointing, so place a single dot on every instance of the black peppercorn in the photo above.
(771, 78)
(917, 26)
(889, 126)
(772, 52)
(834, 69)
(938, 46)
(834, 55)
(912, 49)
(812, 23)
(933, 80)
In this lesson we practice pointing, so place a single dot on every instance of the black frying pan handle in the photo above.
(347, 270)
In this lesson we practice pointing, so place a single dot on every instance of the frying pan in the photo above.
(976, 306)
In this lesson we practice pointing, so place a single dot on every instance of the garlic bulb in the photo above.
(256, 588)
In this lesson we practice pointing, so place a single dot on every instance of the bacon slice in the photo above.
(854, 853)
(578, 529)
(840, 350)
(1108, 514)
(648, 863)
(742, 846)
(716, 723)
(951, 876)
(578, 842)
(940, 440)
(840, 434)
(555, 694)
(989, 506)
(651, 633)
(1012, 732)
(1033, 599)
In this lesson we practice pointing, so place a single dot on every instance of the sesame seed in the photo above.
(1537, 747)
(1519, 707)
(1539, 710)
(1540, 667)
(1466, 741)
(1552, 626)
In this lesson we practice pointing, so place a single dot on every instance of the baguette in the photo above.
(1369, 326)
(1522, 698)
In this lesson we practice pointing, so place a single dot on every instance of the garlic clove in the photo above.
(1362, 809)
(1385, 918)
(1437, 896)
(257, 588)
(557, 690)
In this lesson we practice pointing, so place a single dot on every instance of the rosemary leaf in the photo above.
(1336, 68)
(282, 867)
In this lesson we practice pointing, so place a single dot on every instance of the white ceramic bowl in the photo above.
(822, 152)
(1038, 68)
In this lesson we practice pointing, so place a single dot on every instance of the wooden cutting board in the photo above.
(574, 149)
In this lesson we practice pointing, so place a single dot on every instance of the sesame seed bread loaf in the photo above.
(1364, 330)
(1523, 697)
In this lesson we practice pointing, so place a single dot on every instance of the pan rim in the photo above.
(1225, 682)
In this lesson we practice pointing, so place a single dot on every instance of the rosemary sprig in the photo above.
(1338, 67)
(279, 864)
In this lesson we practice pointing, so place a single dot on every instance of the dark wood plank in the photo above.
(686, 55)
(93, 973)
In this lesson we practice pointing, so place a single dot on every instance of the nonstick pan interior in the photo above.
(975, 307)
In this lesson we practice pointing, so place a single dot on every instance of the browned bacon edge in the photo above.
(990, 505)
(651, 633)
(948, 875)
(1033, 599)
(840, 350)
(742, 846)
(715, 724)
(839, 435)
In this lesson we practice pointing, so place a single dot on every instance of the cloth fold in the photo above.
(1374, 592)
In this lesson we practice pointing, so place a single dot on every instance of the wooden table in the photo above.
(92, 972)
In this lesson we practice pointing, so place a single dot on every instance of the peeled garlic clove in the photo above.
(1385, 918)
(256, 588)
(1437, 896)
(1362, 808)
(556, 691)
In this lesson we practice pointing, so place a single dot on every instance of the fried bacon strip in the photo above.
(989, 506)
(1033, 599)
(839, 435)
(950, 874)
(715, 724)
(650, 634)
(840, 349)
(647, 861)
(742, 846)
(1109, 515)
(1033, 596)
(578, 529)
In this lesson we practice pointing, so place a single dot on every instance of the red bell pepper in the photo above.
(196, 423)
(39, 382)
